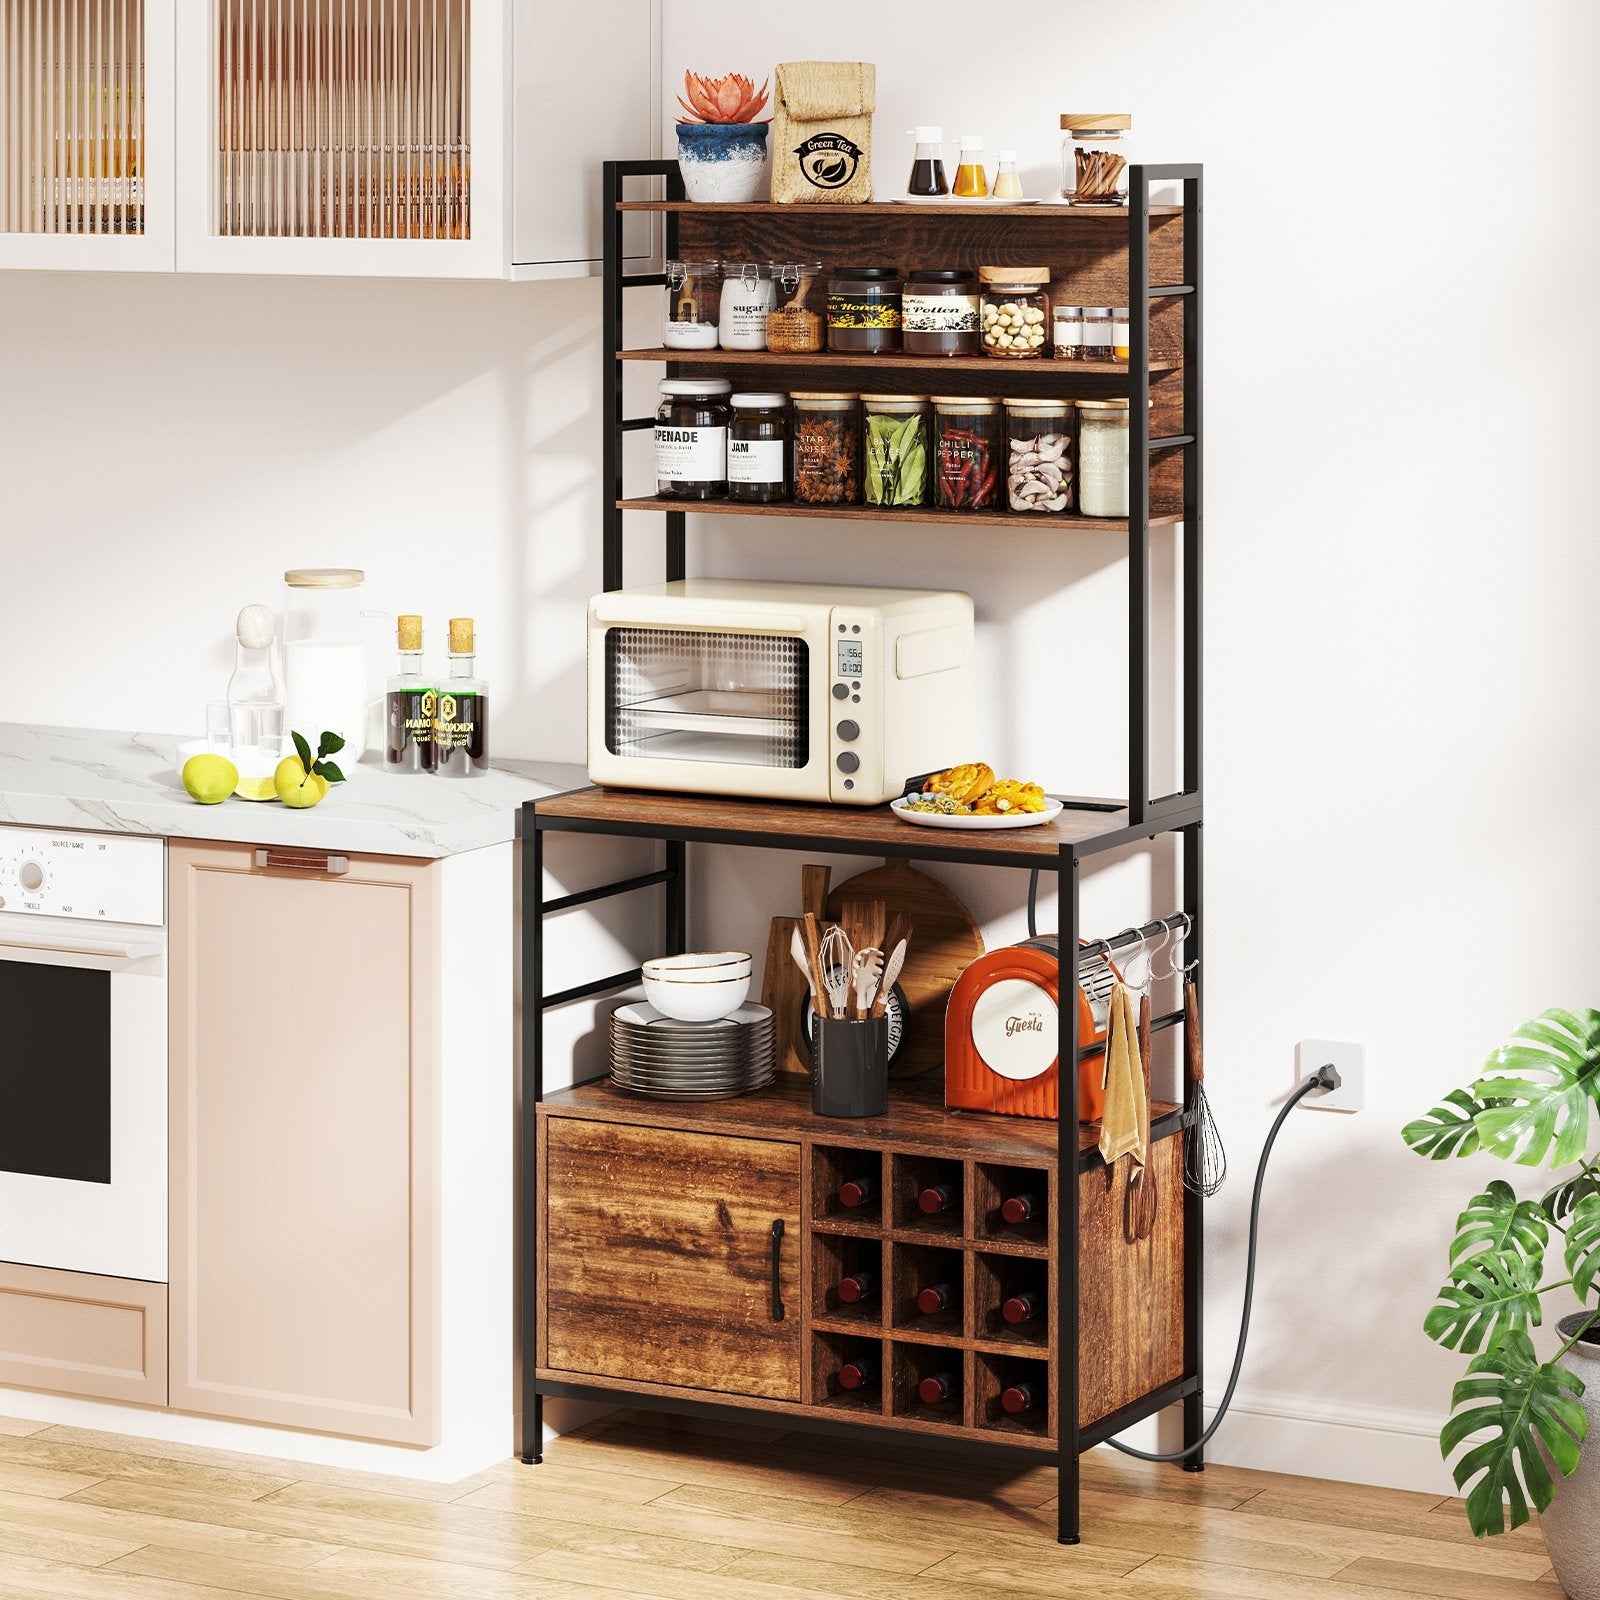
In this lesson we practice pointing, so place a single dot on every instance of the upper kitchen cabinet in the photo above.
(86, 134)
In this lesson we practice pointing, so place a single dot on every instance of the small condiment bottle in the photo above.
(1066, 330)
(409, 704)
(1096, 333)
(461, 715)
(972, 182)
(927, 166)
(1007, 181)
(1119, 333)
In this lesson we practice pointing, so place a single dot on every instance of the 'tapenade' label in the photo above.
(940, 313)
(691, 455)
(755, 461)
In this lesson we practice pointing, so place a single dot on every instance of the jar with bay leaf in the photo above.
(895, 444)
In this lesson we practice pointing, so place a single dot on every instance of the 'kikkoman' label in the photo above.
(940, 313)
(691, 455)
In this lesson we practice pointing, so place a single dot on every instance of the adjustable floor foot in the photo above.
(1194, 1466)
(532, 1461)
(1068, 1538)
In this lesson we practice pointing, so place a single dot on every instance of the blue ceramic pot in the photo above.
(723, 161)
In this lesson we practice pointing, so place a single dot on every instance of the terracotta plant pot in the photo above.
(1571, 1526)
(723, 161)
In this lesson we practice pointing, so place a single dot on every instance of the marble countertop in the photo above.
(128, 783)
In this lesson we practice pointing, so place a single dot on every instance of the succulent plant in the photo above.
(733, 98)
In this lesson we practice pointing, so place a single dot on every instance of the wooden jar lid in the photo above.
(1096, 121)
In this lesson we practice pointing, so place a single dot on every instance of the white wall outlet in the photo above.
(1350, 1060)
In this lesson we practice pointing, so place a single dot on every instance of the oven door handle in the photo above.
(100, 957)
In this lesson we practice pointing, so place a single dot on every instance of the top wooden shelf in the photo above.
(955, 208)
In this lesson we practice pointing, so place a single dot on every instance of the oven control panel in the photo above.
(98, 877)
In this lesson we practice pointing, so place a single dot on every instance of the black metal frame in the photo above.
(1145, 820)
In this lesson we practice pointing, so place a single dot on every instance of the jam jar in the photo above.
(939, 312)
(758, 448)
(864, 309)
(1016, 310)
(691, 439)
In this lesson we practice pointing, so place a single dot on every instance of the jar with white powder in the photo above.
(748, 294)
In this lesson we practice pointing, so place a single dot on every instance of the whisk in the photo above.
(1205, 1162)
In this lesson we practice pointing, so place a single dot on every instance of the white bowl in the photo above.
(697, 1001)
(716, 966)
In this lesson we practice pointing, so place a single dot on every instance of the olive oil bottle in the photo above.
(461, 717)
(410, 704)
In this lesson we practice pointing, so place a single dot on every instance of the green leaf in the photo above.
(1523, 1404)
(1560, 1201)
(1548, 1078)
(1488, 1299)
(302, 749)
(327, 770)
(330, 744)
(1583, 1245)
(1448, 1130)
(1496, 1221)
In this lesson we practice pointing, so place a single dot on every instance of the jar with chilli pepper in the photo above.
(967, 447)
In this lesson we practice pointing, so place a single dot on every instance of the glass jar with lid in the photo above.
(694, 289)
(1066, 327)
(758, 448)
(939, 313)
(1097, 326)
(747, 296)
(691, 439)
(1120, 349)
(1016, 310)
(864, 309)
(1095, 157)
(827, 449)
(966, 452)
(896, 466)
(793, 326)
(1039, 455)
(1103, 458)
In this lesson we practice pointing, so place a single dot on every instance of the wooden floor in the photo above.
(649, 1506)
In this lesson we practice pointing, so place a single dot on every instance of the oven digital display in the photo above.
(849, 658)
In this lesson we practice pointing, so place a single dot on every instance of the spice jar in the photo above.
(1119, 334)
(939, 311)
(1016, 310)
(693, 291)
(894, 439)
(1039, 455)
(864, 309)
(1094, 157)
(1066, 331)
(1103, 458)
(966, 452)
(827, 449)
(792, 327)
(691, 438)
(1096, 333)
(747, 297)
(758, 448)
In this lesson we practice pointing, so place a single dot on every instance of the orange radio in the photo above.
(1000, 1033)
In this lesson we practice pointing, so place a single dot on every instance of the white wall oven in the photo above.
(778, 690)
(83, 1052)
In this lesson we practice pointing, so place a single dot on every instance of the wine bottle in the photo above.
(1020, 1398)
(859, 1286)
(1016, 1209)
(1024, 1307)
(936, 1197)
(938, 1387)
(858, 1191)
(859, 1373)
(933, 1298)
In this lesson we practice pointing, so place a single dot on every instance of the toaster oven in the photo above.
(780, 691)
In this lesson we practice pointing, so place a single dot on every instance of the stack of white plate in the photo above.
(663, 1059)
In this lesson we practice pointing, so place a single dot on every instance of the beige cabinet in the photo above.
(304, 1245)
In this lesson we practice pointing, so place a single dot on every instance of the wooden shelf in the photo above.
(954, 208)
(1043, 522)
(930, 366)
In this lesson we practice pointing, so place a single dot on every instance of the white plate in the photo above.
(941, 819)
(641, 1014)
(962, 200)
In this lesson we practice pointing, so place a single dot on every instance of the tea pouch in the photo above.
(822, 133)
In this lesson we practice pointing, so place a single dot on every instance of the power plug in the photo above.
(1346, 1088)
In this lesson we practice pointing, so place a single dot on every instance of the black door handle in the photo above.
(777, 1248)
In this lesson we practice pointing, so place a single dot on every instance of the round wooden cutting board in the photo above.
(944, 939)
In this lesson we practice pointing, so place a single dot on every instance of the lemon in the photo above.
(298, 789)
(256, 786)
(210, 779)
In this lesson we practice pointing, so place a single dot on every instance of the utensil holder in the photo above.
(850, 1066)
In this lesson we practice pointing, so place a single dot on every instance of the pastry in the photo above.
(964, 783)
(1008, 795)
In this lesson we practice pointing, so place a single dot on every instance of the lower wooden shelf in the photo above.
(1050, 522)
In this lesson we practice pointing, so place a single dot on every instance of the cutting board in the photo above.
(783, 986)
(944, 941)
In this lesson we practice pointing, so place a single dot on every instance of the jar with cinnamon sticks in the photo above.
(1094, 157)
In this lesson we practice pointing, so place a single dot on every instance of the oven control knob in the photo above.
(31, 876)
(848, 762)
(848, 730)
(841, 691)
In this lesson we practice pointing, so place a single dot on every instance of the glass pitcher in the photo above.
(326, 676)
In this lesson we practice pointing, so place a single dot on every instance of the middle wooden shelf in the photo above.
(1064, 373)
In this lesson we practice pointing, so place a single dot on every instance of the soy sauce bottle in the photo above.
(461, 716)
(409, 706)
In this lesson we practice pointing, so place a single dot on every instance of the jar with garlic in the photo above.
(1016, 310)
(1040, 455)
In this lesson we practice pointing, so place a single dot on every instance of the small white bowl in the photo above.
(697, 1001)
(717, 966)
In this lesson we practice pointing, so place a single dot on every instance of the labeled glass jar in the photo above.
(792, 326)
(1119, 334)
(1016, 310)
(967, 447)
(758, 448)
(940, 314)
(1103, 458)
(864, 309)
(1039, 455)
(694, 290)
(747, 296)
(1095, 157)
(827, 449)
(896, 462)
(1066, 331)
(1096, 333)
(691, 439)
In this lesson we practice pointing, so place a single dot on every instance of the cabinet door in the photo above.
(86, 134)
(303, 1234)
(656, 1261)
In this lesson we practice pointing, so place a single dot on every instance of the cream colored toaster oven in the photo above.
(780, 691)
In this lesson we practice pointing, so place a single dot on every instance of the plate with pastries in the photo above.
(971, 796)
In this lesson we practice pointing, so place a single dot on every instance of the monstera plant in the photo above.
(1520, 1418)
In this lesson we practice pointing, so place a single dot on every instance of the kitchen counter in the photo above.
(128, 783)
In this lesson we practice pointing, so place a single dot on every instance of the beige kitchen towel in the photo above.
(1123, 1124)
(822, 132)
